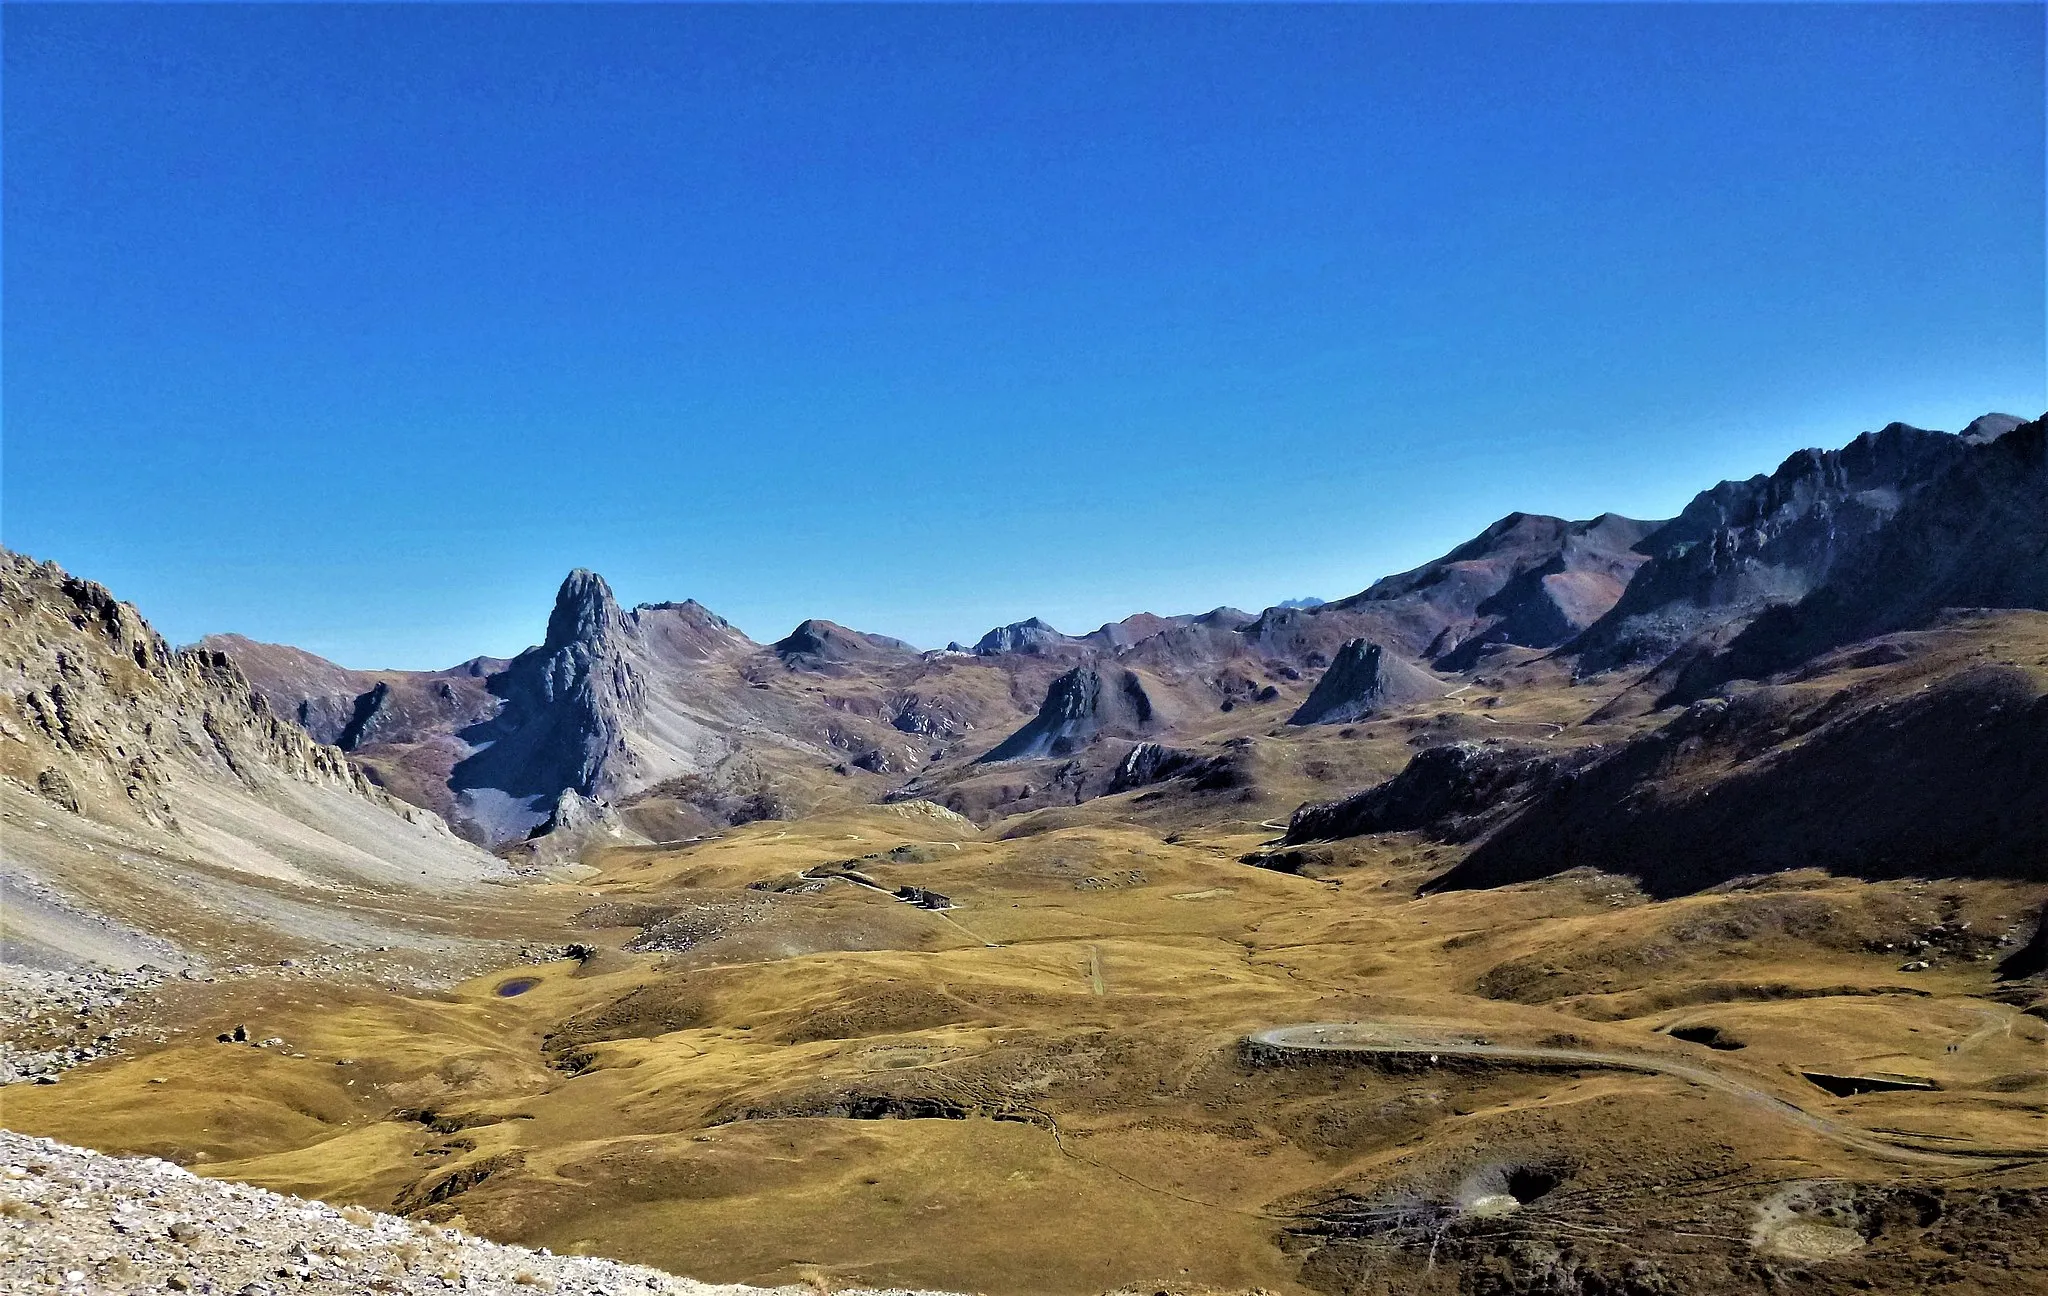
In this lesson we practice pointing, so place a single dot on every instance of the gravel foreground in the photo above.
(76, 1221)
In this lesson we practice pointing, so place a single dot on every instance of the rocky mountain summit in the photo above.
(1028, 636)
(1743, 546)
(823, 645)
(1528, 579)
(576, 714)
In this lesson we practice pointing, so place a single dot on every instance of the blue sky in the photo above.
(357, 327)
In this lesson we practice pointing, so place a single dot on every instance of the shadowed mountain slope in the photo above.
(1927, 760)
(1453, 792)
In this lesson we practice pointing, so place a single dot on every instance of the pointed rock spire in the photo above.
(585, 612)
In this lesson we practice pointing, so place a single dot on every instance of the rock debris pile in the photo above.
(74, 1221)
(59, 1020)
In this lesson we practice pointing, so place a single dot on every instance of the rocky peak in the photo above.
(1031, 636)
(812, 636)
(585, 613)
(820, 642)
(1079, 706)
(1986, 428)
(1363, 679)
(566, 707)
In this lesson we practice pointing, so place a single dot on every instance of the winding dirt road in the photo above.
(1395, 1040)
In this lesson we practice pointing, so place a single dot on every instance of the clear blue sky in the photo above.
(357, 327)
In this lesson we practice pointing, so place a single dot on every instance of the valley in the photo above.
(1606, 907)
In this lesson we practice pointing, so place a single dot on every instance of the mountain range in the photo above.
(670, 712)
(661, 721)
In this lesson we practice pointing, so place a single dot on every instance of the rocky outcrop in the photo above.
(1149, 763)
(577, 824)
(1080, 706)
(567, 705)
(1744, 546)
(2030, 959)
(411, 707)
(1362, 680)
(1453, 792)
(578, 714)
(933, 717)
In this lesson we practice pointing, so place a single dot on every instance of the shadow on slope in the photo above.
(1948, 779)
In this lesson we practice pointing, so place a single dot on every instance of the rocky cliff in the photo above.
(1744, 546)
(1974, 537)
(577, 712)
(95, 688)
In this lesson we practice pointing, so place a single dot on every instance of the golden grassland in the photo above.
(1043, 1089)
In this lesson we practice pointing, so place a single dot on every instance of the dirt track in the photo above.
(1394, 1040)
